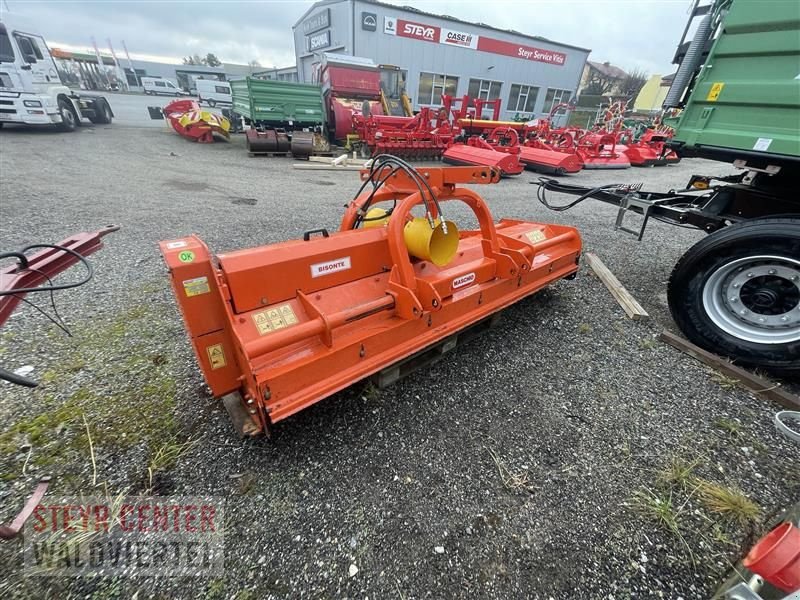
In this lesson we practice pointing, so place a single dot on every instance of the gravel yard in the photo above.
(567, 453)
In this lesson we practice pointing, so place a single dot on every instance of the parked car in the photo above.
(213, 92)
(156, 86)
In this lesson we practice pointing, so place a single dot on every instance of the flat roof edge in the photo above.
(463, 22)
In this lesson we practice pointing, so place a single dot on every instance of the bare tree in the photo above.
(193, 60)
(599, 84)
(633, 83)
(211, 60)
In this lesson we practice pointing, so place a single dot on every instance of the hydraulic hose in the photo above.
(689, 64)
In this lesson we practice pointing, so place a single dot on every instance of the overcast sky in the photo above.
(628, 33)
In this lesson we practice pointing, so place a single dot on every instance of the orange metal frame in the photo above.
(289, 324)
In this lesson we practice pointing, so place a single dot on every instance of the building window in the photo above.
(554, 97)
(432, 86)
(483, 89)
(522, 98)
(134, 77)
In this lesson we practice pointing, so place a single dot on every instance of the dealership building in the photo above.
(435, 54)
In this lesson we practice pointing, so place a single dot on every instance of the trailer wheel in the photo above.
(737, 293)
(69, 121)
(103, 114)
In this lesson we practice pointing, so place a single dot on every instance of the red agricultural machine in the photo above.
(351, 86)
(426, 135)
(500, 149)
(650, 148)
(278, 328)
(34, 265)
(188, 120)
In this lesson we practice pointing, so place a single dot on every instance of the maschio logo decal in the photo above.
(464, 280)
(332, 266)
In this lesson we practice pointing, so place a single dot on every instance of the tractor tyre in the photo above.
(69, 120)
(737, 293)
(103, 115)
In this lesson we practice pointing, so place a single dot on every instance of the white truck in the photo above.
(213, 92)
(31, 90)
(156, 86)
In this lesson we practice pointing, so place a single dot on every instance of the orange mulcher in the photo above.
(280, 327)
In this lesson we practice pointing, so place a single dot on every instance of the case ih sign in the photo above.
(432, 33)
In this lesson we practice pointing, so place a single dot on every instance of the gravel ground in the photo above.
(565, 454)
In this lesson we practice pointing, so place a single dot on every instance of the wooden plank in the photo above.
(340, 160)
(322, 167)
(628, 303)
(321, 159)
(763, 388)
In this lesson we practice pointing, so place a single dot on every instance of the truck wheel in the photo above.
(69, 122)
(103, 113)
(737, 293)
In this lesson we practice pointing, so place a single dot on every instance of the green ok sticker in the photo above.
(186, 256)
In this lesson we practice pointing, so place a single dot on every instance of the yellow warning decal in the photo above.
(216, 356)
(273, 319)
(714, 92)
(537, 235)
(196, 286)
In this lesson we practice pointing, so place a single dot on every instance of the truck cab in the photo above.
(31, 90)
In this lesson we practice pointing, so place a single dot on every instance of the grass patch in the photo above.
(165, 458)
(729, 503)
(129, 400)
(725, 382)
(679, 472)
(215, 589)
(658, 508)
(512, 480)
(729, 425)
(647, 343)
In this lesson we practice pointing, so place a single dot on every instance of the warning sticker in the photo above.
(762, 144)
(196, 286)
(176, 245)
(714, 92)
(537, 235)
(273, 319)
(216, 356)
(186, 256)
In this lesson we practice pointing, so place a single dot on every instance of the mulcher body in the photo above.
(282, 326)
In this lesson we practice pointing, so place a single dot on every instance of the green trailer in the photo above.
(735, 98)
(744, 101)
(281, 115)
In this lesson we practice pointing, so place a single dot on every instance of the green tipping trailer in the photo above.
(745, 101)
(282, 115)
(737, 97)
